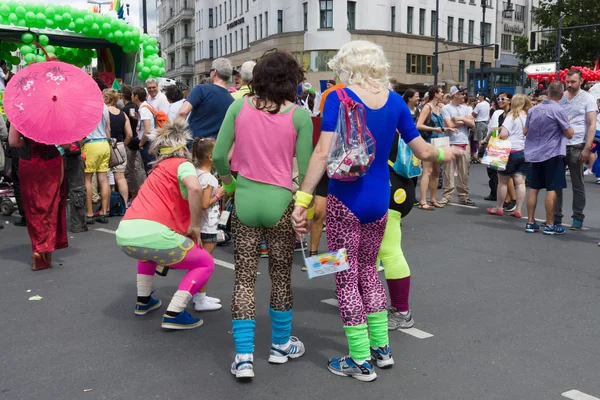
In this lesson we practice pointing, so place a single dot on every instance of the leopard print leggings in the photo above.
(246, 246)
(362, 241)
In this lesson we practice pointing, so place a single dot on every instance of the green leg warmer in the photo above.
(358, 341)
(390, 252)
(378, 327)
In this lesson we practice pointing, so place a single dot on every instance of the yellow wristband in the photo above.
(311, 213)
(303, 199)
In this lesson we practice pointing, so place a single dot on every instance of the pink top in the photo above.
(264, 146)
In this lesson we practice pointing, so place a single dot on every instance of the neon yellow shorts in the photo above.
(97, 156)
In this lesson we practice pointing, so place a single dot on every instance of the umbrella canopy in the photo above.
(53, 103)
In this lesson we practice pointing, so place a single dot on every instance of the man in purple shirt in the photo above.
(547, 130)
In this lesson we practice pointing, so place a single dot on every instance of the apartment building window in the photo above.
(421, 21)
(419, 64)
(231, 42)
(261, 25)
(236, 41)
(461, 28)
(210, 18)
(226, 44)
(433, 19)
(221, 14)
(266, 23)
(487, 32)
(235, 7)
(471, 31)
(225, 7)
(519, 13)
(326, 12)
(305, 15)
(255, 29)
(450, 36)
(279, 21)
(241, 39)
(461, 70)
(409, 20)
(351, 14)
(187, 58)
(230, 9)
(247, 36)
(221, 46)
(393, 24)
(247, 5)
(471, 64)
(506, 42)
(172, 59)
(533, 10)
(171, 37)
(186, 31)
(211, 49)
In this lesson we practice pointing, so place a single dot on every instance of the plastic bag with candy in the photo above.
(353, 148)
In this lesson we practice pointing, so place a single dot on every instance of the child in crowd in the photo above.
(211, 194)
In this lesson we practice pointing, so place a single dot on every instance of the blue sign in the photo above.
(481, 84)
(510, 90)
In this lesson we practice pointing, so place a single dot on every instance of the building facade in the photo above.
(518, 23)
(176, 37)
(313, 31)
(152, 7)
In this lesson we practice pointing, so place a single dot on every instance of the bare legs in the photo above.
(317, 225)
(104, 192)
(532, 198)
(520, 191)
(121, 184)
(429, 180)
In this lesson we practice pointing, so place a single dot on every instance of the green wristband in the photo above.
(441, 155)
(229, 189)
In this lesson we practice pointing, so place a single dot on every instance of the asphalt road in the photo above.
(500, 314)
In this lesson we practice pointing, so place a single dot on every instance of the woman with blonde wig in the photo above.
(357, 212)
(512, 129)
(162, 227)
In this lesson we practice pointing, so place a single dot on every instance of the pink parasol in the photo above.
(53, 103)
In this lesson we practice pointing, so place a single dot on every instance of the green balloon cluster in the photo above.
(31, 53)
(90, 24)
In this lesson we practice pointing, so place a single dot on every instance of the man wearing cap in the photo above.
(206, 105)
(459, 116)
(245, 78)
(481, 113)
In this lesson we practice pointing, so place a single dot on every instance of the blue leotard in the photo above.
(368, 197)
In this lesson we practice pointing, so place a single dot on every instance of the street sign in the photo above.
(481, 84)
(545, 68)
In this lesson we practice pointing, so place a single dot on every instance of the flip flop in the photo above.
(426, 207)
(436, 204)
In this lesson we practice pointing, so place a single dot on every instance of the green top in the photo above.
(151, 234)
(260, 204)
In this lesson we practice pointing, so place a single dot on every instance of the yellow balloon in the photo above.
(400, 196)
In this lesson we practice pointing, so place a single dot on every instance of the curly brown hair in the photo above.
(275, 79)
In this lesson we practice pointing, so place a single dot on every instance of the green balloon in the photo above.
(20, 11)
(43, 39)
(40, 8)
(118, 35)
(13, 19)
(67, 17)
(139, 65)
(40, 20)
(95, 28)
(30, 17)
(154, 70)
(71, 26)
(86, 31)
(161, 62)
(50, 49)
(4, 10)
(141, 76)
(60, 51)
(146, 70)
(29, 58)
(79, 24)
(127, 36)
(106, 27)
(50, 12)
(58, 19)
(26, 50)
(162, 72)
(88, 19)
(59, 9)
(148, 50)
(50, 23)
(27, 38)
(110, 37)
(40, 58)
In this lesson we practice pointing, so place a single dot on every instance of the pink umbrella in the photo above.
(53, 103)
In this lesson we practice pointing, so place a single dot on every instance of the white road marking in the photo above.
(463, 206)
(419, 334)
(221, 263)
(577, 395)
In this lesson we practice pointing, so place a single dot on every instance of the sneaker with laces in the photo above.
(554, 230)
(143, 309)
(532, 227)
(399, 320)
(243, 366)
(510, 206)
(382, 356)
(182, 321)
(293, 349)
(577, 225)
(346, 366)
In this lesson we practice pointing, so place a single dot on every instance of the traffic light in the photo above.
(533, 44)
(496, 52)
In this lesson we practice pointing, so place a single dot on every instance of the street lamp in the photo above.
(484, 5)
(508, 11)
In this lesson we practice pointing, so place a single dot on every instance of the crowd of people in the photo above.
(181, 156)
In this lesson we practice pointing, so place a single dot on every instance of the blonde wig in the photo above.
(362, 63)
(170, 141)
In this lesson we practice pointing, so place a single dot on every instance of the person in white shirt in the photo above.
(481, 113)
(581, 109)
(145, 124)
(459, 116)
(156, 98)
(175, 98)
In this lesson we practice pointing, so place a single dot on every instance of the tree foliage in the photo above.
(580, 47)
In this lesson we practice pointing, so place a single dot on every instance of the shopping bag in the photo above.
(497, 153)
(407, 164)
(325, 263)
(353, 148)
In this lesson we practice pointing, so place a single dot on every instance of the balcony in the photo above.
(184, 14)
(187, 41)
(186, 69)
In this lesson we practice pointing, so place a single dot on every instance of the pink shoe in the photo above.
(495, 211)
(516, 214)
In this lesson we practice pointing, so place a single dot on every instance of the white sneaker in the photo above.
(588, 172)
(213, 299)
(243, 366)
(201, 303)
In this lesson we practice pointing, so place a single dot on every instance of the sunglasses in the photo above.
(503, 99)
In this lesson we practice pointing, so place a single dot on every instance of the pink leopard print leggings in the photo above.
(362, 242)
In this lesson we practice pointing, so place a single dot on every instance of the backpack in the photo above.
(117, 205)
(160, 117)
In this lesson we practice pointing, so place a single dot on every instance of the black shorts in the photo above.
(323, 186)
(402, 194)
(516, 164)
(549, 174)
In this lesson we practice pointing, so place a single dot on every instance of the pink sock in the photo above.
(399, 291)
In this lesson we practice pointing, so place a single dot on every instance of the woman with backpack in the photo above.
(357, 211)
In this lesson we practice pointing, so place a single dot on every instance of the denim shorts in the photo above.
(208, 237)
(516, 164)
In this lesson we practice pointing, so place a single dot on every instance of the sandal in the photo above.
(102, 218)
(436, 204)
(516, 214)
(39, 262)
(91, 220)
(426, 207)
(495, 211)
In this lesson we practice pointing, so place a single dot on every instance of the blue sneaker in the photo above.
(577, 225)
(554, 230)
(182, 321)
(294, 349)
(143, 309)
(382, 356)
(346, 366)
(532, 227)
